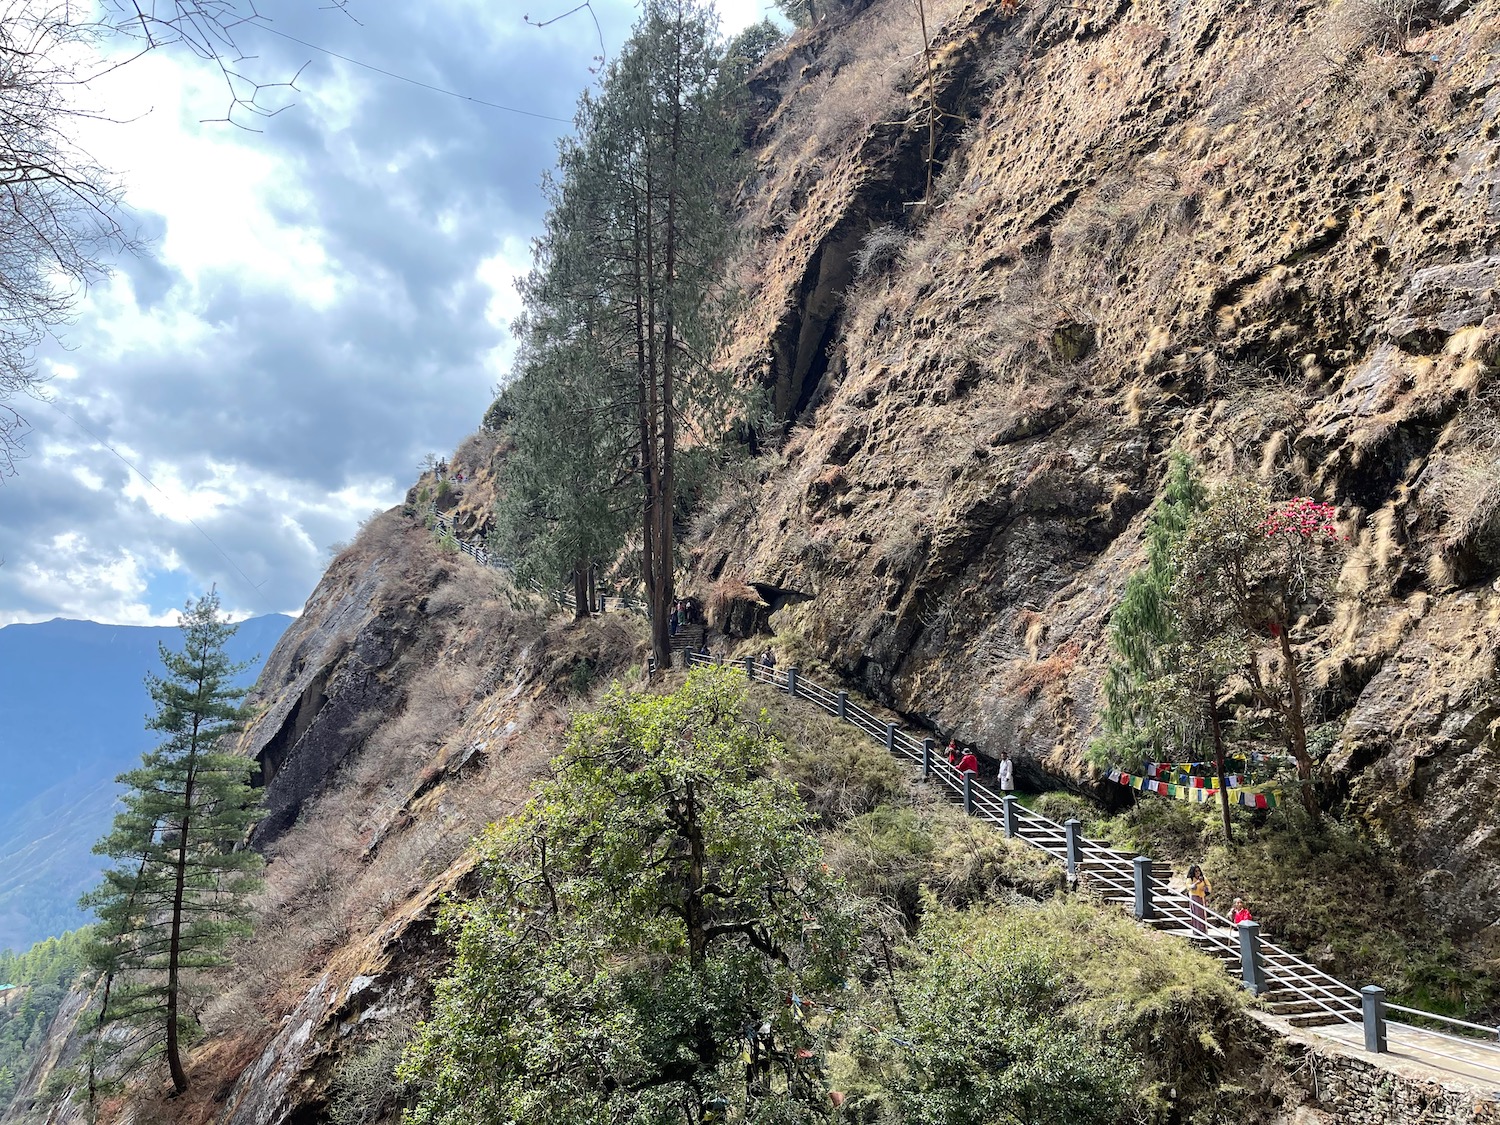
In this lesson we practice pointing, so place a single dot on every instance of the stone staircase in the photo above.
(1292, 988)
(689, 638)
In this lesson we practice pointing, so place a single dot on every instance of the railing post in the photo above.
(791, 682)
(843, 704)
(1071, 827)
(1250, 966)
(750, 668)
(969, 793)
(1372, 1000)
(926, 759)
(1142, 864)
(890, 737)
(1011, 817)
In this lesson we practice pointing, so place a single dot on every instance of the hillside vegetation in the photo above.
(665, 934)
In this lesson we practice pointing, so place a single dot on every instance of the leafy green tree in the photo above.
(749, 47)
(978, 1033)
(802, 12)
(178, 890)
(653, 938)
(1137, 726)
(1249, 571)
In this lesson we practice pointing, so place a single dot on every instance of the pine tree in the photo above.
(1139, 725)
(178, 890)
(627, 305)
(675, 112)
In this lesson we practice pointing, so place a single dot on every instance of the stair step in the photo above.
(1293, 1005)
(1321, 1019)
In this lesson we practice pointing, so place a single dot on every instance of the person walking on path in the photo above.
(953, 752)
(968, 763)
(1199, 888)
(1007, 773)
(1240, 912)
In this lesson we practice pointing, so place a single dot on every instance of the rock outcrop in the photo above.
(1268, 235)
(1263, 234)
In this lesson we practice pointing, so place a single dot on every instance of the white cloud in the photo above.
(81, 582)
(233, 206)
(327, 300)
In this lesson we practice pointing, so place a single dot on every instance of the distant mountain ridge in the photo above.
(74, 702)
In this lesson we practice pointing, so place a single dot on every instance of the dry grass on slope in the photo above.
(861, 79)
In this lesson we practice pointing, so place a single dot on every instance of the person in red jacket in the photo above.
(968, 763)
(953, 751)
(1240, 913)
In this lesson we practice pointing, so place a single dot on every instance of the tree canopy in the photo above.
(625, 309)
(657, 934)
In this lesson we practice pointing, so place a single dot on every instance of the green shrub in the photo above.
(1063, 1013)
(885, 854)
(838, 770)
(975, 864)
(580, 677)
(1063, 807)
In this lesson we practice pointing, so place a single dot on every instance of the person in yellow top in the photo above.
(1199, 889)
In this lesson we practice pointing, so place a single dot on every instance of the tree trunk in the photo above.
(1211, 704)
(666, 493)
(644, 378)
(1296, 730)
(174, 947)
(658, 593)
(582, 606)
(931, 102)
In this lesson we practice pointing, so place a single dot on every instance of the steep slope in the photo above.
(1266, 234)
(1263, 234)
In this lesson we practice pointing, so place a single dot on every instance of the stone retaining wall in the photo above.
(1338, 1088)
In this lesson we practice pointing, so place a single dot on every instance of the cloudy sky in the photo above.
(321, 302)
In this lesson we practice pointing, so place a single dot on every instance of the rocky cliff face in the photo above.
(1266, 234)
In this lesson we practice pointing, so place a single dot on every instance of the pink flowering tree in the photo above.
(1265, 566)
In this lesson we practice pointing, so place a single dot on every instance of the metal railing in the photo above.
(1275, 970)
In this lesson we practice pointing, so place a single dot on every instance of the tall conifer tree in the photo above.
(628, 301)
(1138, 723)
(178, 890)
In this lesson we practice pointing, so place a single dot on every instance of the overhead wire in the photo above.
(414, 81)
